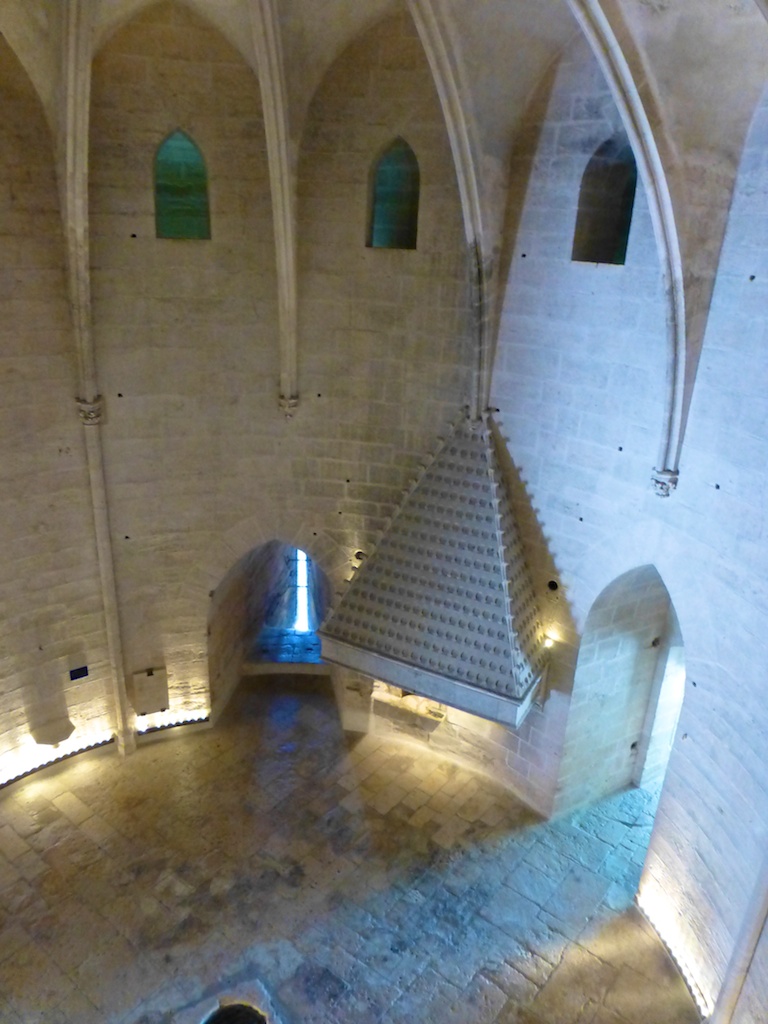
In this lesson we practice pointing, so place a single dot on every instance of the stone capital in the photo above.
(90, 411)
(289, 404)
(664, 481)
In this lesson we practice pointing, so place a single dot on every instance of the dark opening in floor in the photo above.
(237, 1013)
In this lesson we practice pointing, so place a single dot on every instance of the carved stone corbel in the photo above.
(288, 405)
(665, 481)
(90, 410)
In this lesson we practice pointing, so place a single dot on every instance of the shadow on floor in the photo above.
(360, 882)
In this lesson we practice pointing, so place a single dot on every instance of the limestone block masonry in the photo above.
(52, 617)
(200, 468)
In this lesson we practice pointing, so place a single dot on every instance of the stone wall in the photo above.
(181, 327)
(664, 706)
(471, 741)
(52, 619)
(579, 370)
(185, 326)
(708, 848)
(384, 333)
(226, 635)
(580, 380)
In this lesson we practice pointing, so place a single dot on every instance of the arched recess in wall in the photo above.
(265, 610)
(627, 691)
(393, 219)
(606, 202)
(181, 189)
(109, 18)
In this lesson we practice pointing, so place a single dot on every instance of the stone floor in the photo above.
(341, 879)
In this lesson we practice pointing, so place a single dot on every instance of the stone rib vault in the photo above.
(445, 606)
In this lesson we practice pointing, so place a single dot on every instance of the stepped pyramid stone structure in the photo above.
(445, 606)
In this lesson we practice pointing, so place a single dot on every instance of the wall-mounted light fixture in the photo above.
(552, 637)
(169, 718)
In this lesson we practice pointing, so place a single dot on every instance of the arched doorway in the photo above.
(627, 693)
(284, 614)
(263, 618)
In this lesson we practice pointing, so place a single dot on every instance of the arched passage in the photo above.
(627, 692)
(264, 613)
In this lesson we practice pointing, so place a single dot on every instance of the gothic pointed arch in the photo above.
(181, 189)
(627, 701)
(394, 211)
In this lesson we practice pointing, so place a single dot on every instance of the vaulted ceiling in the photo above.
(686, 77)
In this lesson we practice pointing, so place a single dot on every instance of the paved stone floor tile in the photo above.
(577, 897)
(353, 880)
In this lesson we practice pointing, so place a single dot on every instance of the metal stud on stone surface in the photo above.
(445, 604)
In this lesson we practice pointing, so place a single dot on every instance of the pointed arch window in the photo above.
(181, 189)
(394, 215)
(606, 201)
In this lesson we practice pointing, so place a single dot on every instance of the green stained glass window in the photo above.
(395, 199)
(181, 190)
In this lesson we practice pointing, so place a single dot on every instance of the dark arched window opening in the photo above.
(395, 199)
(181, 190)
(606, 200)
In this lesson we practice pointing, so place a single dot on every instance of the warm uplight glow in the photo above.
(551, 637)
(164, 719)
(29, 756)
(301, 625)
(666, 921)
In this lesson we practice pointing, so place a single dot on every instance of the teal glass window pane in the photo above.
(395, 200)
(606, 202)
(181, 190)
